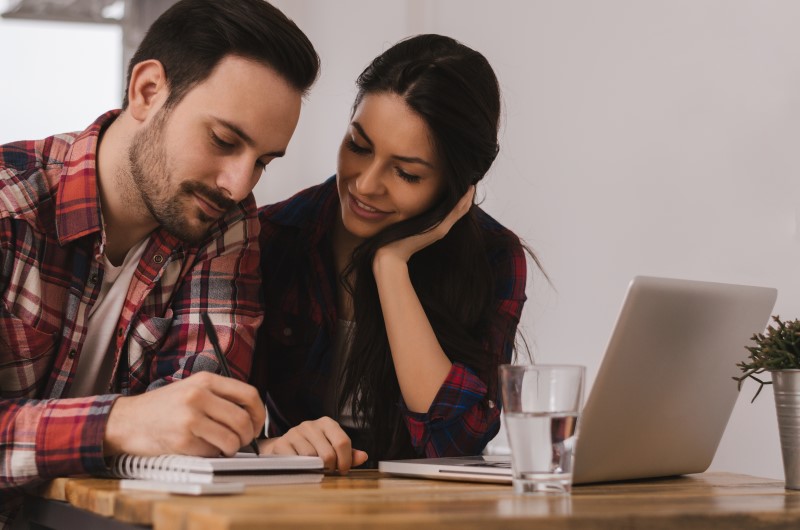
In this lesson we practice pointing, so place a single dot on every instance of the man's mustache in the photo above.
(212, 195)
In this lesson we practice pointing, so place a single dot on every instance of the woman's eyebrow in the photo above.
(357, 126)
(408, 159)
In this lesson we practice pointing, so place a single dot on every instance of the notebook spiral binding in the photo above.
(170, 468)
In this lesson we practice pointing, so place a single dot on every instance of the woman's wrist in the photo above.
(387, 262)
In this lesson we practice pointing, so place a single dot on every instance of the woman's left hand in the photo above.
(403, 249)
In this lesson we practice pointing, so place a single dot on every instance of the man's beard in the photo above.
(151, 177)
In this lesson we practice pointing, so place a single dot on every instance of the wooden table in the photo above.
(367, 499)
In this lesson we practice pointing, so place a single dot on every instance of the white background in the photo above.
(639, 137)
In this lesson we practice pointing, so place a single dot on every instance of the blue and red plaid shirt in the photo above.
(294, 351)
(51, 245)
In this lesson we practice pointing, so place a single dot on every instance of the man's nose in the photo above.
(238, 178)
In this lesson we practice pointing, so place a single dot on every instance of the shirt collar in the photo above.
(77, 202)
(312, 210)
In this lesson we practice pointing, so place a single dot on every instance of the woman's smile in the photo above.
(366, 211)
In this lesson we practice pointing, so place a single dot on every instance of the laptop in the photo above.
(664, 391)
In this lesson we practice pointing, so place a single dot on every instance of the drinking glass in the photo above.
(541, 408)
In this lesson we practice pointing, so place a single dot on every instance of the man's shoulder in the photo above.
(31, 155)
(29, 170)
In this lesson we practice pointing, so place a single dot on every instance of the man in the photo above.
(114, 240)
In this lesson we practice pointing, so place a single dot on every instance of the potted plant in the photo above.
(777, 351)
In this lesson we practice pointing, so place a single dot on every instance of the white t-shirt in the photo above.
(93, 375)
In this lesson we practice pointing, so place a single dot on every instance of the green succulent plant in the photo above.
(776, 349)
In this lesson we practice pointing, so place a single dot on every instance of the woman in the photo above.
(390, 298)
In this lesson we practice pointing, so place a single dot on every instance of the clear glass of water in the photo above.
(541, 408)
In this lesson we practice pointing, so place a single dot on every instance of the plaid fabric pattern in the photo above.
(295, 344)
(51, 240)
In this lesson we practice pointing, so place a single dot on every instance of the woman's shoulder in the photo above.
(494, 231)
(299, 207)
(506, 254)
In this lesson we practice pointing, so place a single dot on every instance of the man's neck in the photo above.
(125, 218)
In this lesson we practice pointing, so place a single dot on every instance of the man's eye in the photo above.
(220, 142)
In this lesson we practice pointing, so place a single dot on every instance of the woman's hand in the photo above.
(322, 437)
(403, 249)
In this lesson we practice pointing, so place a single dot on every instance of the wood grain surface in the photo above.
(367, 499)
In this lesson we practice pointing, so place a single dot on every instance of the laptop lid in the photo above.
(664, 391)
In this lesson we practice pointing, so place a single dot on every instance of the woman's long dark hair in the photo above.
(454, 90)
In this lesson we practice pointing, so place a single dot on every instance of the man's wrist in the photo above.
(116, 425)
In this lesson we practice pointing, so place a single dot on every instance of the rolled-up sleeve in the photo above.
(463, 418)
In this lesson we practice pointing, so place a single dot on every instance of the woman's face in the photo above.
(388, 170)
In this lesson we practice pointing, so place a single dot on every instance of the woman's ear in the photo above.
(148, 89)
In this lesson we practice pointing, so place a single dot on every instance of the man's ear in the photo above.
(148, 89)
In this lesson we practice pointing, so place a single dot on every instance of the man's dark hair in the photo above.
(193, 36)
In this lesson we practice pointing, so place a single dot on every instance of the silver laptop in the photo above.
(664, 391)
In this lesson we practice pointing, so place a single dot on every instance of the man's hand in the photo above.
(324, 438)
(204, 415)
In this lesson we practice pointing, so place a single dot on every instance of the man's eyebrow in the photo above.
(246, 138)
(410, 159)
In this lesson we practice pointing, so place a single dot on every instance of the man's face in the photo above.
(195, 161)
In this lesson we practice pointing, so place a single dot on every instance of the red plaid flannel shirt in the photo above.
(50, 245)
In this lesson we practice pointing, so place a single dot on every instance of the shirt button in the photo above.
(93, 279)
(71, 354)
(287, 332)
(158, 258)
(120, 331)
(490, 404)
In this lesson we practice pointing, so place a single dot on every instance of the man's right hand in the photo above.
(204, 415)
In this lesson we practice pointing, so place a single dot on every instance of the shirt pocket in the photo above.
(147, 337)
(26, 355)
(285, 352)
(284, 329)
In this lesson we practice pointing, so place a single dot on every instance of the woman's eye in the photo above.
(408, 177)
(355, 148)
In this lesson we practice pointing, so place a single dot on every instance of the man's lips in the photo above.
(209, 207)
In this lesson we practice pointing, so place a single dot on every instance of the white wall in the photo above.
(56, 77)
(654, 137)
(640, 137)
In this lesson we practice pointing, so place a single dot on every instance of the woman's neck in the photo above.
(343, 243)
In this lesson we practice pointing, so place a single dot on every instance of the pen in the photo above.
(223, 363)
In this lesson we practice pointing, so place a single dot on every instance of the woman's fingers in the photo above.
(323, 437)
(359, 457)
(459, 210)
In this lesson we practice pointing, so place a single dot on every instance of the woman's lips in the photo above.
(364, 210)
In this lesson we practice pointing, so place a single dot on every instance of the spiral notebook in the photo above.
(192, 475)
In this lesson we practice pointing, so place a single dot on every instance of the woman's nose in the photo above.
(370, 181)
